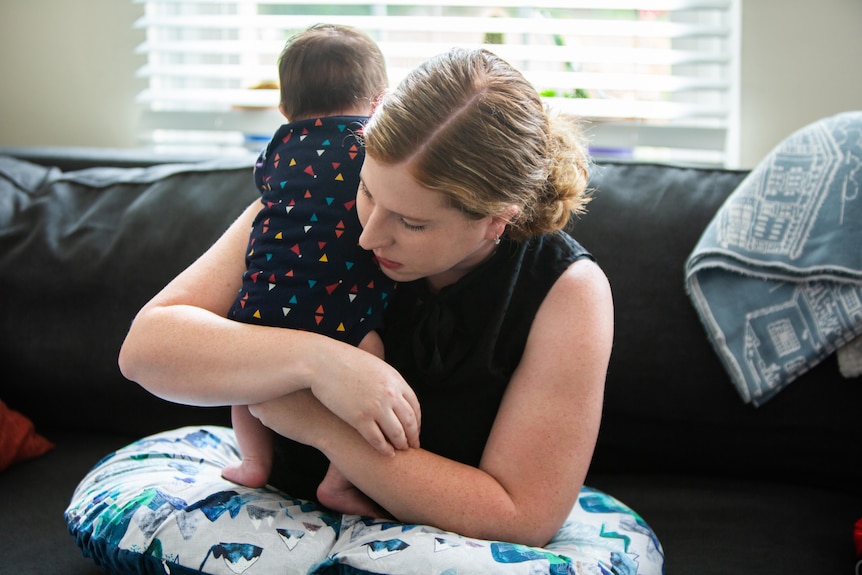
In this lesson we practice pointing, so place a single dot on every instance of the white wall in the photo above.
(67, 69)
(801, 61)
(67, 72)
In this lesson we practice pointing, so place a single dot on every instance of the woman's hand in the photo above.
(372, 397)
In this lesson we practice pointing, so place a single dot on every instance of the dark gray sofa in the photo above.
(728, 488)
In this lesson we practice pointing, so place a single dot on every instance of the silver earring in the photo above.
(497, 240)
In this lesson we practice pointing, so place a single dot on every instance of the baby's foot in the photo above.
(251, 473)
(343, 497)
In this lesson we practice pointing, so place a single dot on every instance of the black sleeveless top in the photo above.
(458, 350)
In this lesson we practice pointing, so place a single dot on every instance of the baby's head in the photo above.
(330, 70)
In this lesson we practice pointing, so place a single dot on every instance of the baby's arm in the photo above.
(335, 491)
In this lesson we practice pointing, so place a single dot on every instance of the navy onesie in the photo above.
(304, 267)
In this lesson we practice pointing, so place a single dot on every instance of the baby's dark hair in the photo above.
(327, 69)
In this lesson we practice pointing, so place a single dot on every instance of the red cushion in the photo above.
(18, 438)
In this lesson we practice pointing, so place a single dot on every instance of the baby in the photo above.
(305, 269)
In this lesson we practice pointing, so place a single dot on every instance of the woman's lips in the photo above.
(388, 264)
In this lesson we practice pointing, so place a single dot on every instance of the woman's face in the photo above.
(413, 231)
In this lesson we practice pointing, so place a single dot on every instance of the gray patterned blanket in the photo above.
(777, 275)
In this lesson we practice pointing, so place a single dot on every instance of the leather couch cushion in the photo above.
(80, 253)
(664, 375)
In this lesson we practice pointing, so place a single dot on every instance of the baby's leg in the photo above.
(255, 446)
(338, 494)
(335, 491)
(372, 343)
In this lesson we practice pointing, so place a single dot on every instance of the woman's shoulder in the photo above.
(566, 244)
(567, 250)
(557, 267)
(552, 253)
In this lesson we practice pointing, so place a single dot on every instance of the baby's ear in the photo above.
(378, 99)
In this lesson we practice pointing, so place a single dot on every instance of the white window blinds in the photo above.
(655, 78)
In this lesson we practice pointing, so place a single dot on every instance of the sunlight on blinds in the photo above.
(653, 79)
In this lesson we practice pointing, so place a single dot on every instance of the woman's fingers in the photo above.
(375, 437)
(380, 405)
(410, 416)
(397, 428)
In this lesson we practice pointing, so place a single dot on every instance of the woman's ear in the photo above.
(499, 223)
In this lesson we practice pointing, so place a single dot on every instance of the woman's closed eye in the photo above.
(411, 227)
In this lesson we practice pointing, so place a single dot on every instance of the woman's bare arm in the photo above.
(540, 447)
(181, 347)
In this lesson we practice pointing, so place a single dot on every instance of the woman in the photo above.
(501, 325)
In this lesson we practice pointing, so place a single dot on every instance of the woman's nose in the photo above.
(372, 235)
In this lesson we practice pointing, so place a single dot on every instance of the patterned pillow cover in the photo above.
(160, 505)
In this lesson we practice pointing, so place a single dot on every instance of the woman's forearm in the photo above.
(183, 348)
(189, 355)
(420, 487)
(414, 485)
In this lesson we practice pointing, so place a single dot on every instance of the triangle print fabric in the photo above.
(305, 268)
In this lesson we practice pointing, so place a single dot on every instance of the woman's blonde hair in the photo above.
(470, 126)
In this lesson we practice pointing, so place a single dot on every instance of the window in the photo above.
(655, 79)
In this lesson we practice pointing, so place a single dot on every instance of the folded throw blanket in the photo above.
(777, 275)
